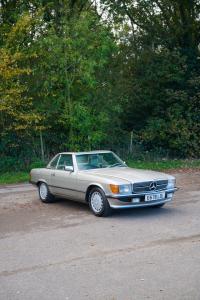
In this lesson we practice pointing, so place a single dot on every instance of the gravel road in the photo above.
(61, 251)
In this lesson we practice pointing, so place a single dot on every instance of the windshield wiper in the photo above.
(115, 165)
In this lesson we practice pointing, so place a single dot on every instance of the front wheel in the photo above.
(98, 203)
(44, 193)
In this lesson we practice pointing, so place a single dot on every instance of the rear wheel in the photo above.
(98, 203)
(44, 193)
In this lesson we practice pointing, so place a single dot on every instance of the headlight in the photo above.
(171, 183)
(125, 189)
(120, 189)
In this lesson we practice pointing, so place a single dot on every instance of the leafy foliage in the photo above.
(160, 40)
(75, 75)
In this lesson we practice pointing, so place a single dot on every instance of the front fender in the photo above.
(94, 184)
(41, 180)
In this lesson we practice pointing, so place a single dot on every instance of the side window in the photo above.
(65, 160)
(53, 164)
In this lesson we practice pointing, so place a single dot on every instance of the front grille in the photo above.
(142, 187)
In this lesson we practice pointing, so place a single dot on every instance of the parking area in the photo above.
(61, 251)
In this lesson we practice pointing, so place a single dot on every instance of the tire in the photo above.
(44, 193)
(98, 203)
(158, 205)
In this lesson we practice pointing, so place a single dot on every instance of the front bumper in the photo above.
(127, 201)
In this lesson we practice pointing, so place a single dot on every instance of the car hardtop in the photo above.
(86, 152)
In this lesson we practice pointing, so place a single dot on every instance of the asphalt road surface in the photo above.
(61, 251)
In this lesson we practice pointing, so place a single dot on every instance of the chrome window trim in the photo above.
(58, 162)
(60, 158)
(49, 164)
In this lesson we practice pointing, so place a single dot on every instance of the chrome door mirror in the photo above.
(68, 168)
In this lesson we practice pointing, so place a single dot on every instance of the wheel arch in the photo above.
(90, 187)
(40, 181)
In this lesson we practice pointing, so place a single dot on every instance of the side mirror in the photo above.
(68, 168)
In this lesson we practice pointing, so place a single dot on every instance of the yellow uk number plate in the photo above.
(153, 197)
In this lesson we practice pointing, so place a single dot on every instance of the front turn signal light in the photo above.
(114, 188)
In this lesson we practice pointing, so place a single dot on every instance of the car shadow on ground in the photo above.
(146, 212)
(76, 207)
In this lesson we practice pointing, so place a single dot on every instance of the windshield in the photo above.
(98, 160)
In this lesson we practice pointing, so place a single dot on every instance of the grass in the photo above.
(161, 165)
(14, 177)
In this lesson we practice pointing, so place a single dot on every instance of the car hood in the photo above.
(129, 174)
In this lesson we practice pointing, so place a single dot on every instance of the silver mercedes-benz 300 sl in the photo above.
(102, 180)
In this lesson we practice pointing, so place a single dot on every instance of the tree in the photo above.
(73, 55)
(18, 117)
(159, 41)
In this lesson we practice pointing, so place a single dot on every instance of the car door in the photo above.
(49, 171)
(64, 183)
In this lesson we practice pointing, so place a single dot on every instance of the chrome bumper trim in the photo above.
(143, 204)
(118, 196)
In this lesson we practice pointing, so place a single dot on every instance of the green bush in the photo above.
(10, 164)
(14, 164)
(37, 164)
